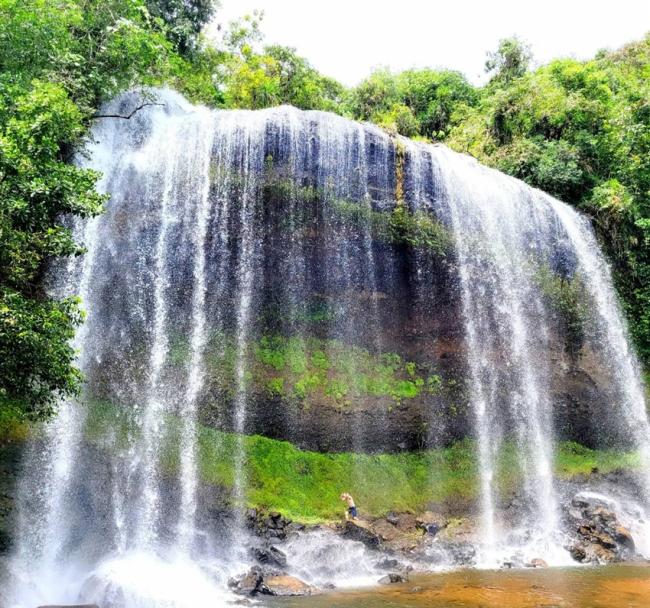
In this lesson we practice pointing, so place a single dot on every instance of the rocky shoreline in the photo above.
(401, 543)
(595, 515)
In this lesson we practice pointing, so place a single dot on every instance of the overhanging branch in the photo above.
(128, 116)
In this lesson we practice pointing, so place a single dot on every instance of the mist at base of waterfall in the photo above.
(132, 580)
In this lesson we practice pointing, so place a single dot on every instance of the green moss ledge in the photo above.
(305, 485)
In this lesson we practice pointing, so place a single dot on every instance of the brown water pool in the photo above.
(619, 586)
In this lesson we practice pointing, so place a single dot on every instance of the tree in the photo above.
(37, 186)
(273, 75)
(511, 60)
(184, 18)
(374, 96)
(434, 96)
(300, 84)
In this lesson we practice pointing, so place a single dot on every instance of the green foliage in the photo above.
(184, 19)
(417, 229)
(415, 102)
(275, 75)
(36, 186)
(13, 422)
(58, 61)
(578, 130)
(35, 352)
(509, 61)
(374, 96)
(566, 297)
(305, 486)
(575, 459)
(311, 370)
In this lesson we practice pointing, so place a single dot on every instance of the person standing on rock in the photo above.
(351, 511)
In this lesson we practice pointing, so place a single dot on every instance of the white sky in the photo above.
(345, 39)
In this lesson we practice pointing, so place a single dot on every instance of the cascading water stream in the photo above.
(230, 231)
(248, 143)
(44, 529)
(154, 406)
(611, 336)
(492, 221)
(188, 411)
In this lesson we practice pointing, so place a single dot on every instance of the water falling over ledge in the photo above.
(227, 230)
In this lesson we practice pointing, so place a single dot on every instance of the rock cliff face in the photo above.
(339, 241)
(9, 465)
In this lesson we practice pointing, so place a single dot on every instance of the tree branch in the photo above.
(128, 116)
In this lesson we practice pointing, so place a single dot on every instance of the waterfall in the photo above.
(198, 339)
(240, 244)
(498, 223)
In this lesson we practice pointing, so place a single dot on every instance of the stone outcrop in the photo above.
(599, 536)
(362, 532)
(285, 585)
(394, 577)
(256, 582)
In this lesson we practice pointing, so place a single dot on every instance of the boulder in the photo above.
(624, 537)
(361, 531)
(394, 577)
(537, 562)
(429, 523)
(269, 555)
(285, 586)
(271, 526)
(393, 519)
(599, 537)
(249, 583)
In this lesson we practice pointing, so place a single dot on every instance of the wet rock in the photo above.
(360, 531)
(285, 586)
(599, 537)
(256, 581)
(514, 561)
(538, 562)
(275, 521)
(249, 583)
(10, 458)
(268, 525)
(271, 555)
(431, 529)
(462, 554)
(393, 519)
(394, 577)
(624, 538)
(429, 524)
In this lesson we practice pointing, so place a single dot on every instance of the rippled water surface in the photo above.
(624, 586)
